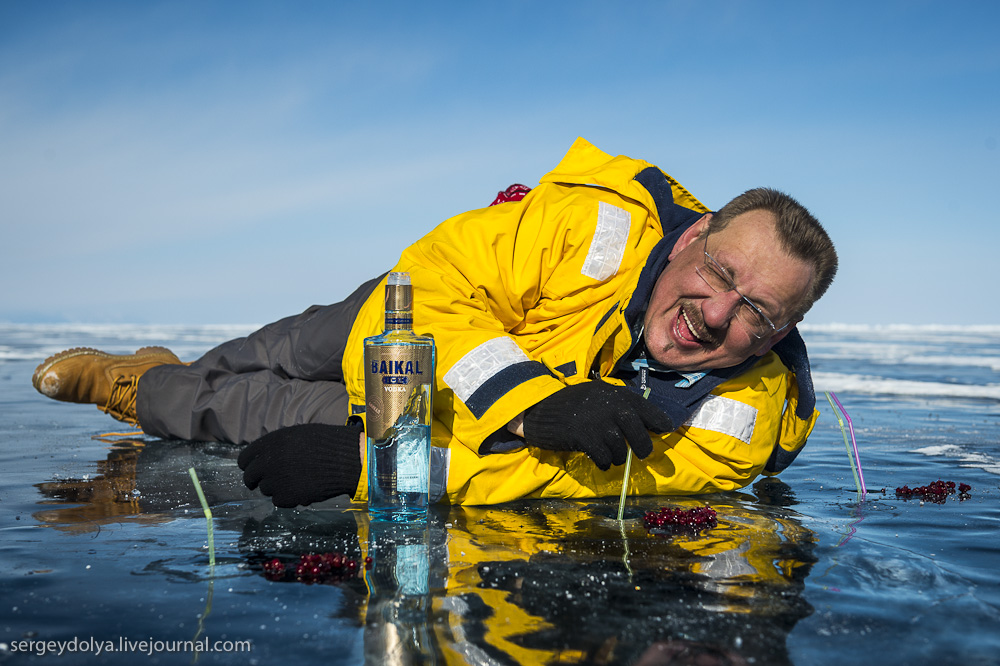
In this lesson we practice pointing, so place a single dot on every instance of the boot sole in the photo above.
(84, 351)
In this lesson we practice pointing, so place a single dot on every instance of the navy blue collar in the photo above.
(675, 220)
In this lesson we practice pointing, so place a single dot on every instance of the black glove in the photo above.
(303, 464)
(596, 418)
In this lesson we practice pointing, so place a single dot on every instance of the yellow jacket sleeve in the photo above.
(510, 291)
(723, 446)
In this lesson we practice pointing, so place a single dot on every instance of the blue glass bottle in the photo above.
(399, 382)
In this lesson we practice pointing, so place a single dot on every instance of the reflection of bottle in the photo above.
(399, 378)
(397, 626)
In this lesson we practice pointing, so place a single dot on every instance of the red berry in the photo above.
(314, 568)
(688, 520)
(936, 491)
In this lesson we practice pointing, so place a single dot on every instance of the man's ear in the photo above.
(690, 235)
(776, 338)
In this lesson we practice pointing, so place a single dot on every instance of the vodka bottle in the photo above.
(399, 380)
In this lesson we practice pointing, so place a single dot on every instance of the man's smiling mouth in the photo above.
(693, 329)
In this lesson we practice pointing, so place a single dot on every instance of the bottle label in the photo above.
(398, 381)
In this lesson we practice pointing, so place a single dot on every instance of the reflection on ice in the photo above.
(531, 582)
(142, 481)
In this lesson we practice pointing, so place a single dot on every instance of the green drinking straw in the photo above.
(621, 502)
(855, 468)
(628, 467)
(208, 517)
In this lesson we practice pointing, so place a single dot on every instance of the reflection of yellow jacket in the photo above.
(753, 561)
(524, 298)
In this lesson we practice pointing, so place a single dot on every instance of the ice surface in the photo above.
(105, 538)
(837, 382)
(978, 459)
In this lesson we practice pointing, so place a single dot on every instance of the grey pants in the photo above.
(287, 373)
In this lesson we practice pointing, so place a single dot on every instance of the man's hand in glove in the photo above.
(597, 418)
(303, 464)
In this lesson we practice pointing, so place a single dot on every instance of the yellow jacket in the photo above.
(525, 297)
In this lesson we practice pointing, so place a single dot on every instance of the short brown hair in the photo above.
(800, 234)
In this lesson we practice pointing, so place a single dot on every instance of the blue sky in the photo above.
(212, 162)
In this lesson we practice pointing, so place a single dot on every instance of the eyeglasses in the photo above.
(750, 315)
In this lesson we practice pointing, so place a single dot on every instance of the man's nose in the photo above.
(720, 308)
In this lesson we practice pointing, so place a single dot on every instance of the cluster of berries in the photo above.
(681, 520)
(314, 568)
(936, 492)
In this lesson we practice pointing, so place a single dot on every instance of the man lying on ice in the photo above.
(553, 316)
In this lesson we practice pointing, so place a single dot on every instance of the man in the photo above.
(606, 304)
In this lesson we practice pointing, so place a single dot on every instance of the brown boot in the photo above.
(107, 380)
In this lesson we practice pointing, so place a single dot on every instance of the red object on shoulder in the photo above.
(515, 192)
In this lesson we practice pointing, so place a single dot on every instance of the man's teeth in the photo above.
(691, 328)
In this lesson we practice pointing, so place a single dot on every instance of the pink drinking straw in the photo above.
(854, 443)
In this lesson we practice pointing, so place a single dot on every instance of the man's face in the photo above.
(688, 326)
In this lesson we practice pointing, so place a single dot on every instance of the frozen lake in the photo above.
(104, 540)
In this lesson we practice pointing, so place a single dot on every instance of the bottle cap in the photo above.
(398, 278)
